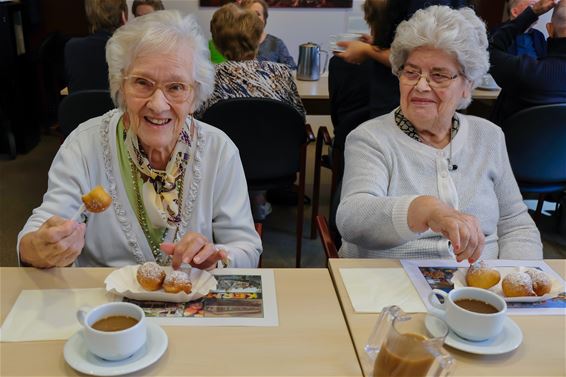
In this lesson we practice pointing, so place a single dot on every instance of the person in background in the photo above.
(143, 7)
(526, 81)
(236, 33)
(85, 61)
(424, 181)
(178, 188)
(270, 48)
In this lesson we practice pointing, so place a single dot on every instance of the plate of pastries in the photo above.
(514, 284)
(152, 282)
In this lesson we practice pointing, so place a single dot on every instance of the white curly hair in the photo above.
(458, 32)
(159, 32)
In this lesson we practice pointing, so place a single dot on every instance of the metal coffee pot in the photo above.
(308, 68)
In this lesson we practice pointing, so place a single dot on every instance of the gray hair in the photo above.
(457, 32)
(159, 32)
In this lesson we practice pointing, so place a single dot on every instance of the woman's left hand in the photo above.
(194, 249)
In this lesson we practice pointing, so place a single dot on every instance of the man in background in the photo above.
(525, 80)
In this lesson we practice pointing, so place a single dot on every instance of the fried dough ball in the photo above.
(541, 283)
(480, 275)
(517, 284)
(177, 281)
(150, 275)
(97, 200)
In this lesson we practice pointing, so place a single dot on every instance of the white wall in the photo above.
(294, 26)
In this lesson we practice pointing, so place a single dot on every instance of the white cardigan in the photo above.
(215, 201)
(385, 170)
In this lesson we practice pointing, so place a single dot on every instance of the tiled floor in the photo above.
(24, 180)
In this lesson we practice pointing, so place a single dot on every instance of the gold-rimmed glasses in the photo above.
(142, 87)
(434, 79)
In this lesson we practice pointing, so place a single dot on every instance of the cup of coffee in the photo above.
(346, 37)
(403, 344)
(472, 313)
(114, 331)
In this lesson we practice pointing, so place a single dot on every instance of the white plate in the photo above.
(81, 359)
(508, 340)
(123, 282)
(459, 280)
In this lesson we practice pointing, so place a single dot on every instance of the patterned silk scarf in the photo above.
(160, 190)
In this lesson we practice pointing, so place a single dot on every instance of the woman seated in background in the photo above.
(270, 48)
(177, 185)
(236, 32)
(85, 57)
(424, 180)
(143, 7)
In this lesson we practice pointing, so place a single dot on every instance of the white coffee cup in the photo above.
(346, 37)
(113, 345)
(469, 324)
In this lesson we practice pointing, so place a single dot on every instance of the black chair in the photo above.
(80, 106)
(536, 144)
(272, 138)
(328, 231)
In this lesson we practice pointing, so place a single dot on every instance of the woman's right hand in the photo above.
(355, 52)
(463, 230)
(57, 243)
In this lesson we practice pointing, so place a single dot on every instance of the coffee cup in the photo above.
(346, 37)
(113, 331)
(472, 313)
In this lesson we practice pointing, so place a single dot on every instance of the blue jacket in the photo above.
(526, 81)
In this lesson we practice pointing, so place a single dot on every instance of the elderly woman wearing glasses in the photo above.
(178, 187)
(425, 181)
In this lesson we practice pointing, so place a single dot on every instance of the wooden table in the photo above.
(311, 340)
(542, 353)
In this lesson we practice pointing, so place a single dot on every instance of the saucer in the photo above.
(81, 359)
(508, 340)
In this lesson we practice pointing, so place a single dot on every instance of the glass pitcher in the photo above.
(409, 344)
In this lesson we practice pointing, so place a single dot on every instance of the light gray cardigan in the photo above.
(385, 170)
(215, 201)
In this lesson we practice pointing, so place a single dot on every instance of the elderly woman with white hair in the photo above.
(425, 181)
(177, 185)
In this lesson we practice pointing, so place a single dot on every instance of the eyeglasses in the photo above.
(438, 79)
(142, 87)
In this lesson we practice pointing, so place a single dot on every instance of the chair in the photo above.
(536, 144)
(328, 231)
(80, 106)
(272, 138)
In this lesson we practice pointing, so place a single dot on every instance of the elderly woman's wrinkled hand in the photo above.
(57, 243)
(463, 231)
(355, 52)
(194, 249)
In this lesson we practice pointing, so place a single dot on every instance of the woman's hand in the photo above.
(464, 231)
(57, 243)
(543, 6)
(356, 52)
(195, 249)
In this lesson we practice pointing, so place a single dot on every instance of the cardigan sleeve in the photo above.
(232, 223)
(518, 235)
(66, 184)
(367, 216)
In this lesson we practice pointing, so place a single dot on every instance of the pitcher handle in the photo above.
(381, 329)
(325, 60)
(443, 364)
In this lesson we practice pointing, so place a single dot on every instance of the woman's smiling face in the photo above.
(424, 105)
(156, 119)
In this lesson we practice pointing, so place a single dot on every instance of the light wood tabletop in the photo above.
(311, 340)
(542, 353)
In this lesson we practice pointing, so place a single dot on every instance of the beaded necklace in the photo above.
(160, 257)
